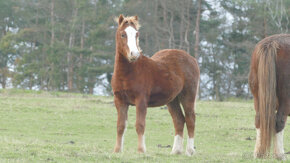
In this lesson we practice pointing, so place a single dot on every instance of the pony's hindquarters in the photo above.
(184, 68)
(263, 86)
(188, 101)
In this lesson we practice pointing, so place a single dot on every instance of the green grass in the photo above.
(63, 127)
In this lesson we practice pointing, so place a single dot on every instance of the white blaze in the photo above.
(131, 42)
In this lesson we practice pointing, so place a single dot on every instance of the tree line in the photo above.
(69, 45)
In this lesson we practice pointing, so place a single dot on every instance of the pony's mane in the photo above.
(129, 19)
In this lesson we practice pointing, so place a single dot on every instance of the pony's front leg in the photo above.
(122, 109)
(141, 110)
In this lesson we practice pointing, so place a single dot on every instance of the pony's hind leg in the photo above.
(281, 117)
(253, 82)
(188, 103)
(278, 146)
(122, 110)
(178, 120)
(257, 152)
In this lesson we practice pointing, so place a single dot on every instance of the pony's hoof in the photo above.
(281, 157)
(257, 155)
(190, 151)
(176, 151)
(141, 150)
(117, 150)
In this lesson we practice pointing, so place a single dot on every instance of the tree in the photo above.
(6, 51)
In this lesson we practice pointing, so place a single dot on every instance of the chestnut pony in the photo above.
(169, 77)
(269, 81)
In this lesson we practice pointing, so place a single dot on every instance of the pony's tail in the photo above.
(267, 97)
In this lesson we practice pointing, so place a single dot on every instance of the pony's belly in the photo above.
(165, 91)
(159, 99)
(156, 99)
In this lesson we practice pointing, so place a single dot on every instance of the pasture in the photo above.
(62, 127)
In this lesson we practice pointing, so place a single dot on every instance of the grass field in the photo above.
(61, 127)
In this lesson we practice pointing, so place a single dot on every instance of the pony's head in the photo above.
(127, 37)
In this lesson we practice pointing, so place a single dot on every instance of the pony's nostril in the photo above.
(133, 58)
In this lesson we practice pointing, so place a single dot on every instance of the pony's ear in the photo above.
(136, 18)
(121, 18)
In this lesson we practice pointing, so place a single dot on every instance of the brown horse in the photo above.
(169, 77)
(269, 81)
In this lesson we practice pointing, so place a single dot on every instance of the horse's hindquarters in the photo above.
(269, 82)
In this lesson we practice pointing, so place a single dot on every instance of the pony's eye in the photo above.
(123, 35)
(132, 23)
(126, 22)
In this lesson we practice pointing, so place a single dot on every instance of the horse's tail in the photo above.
(267, 97)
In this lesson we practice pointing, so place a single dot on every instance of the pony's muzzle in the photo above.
(134, 56)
